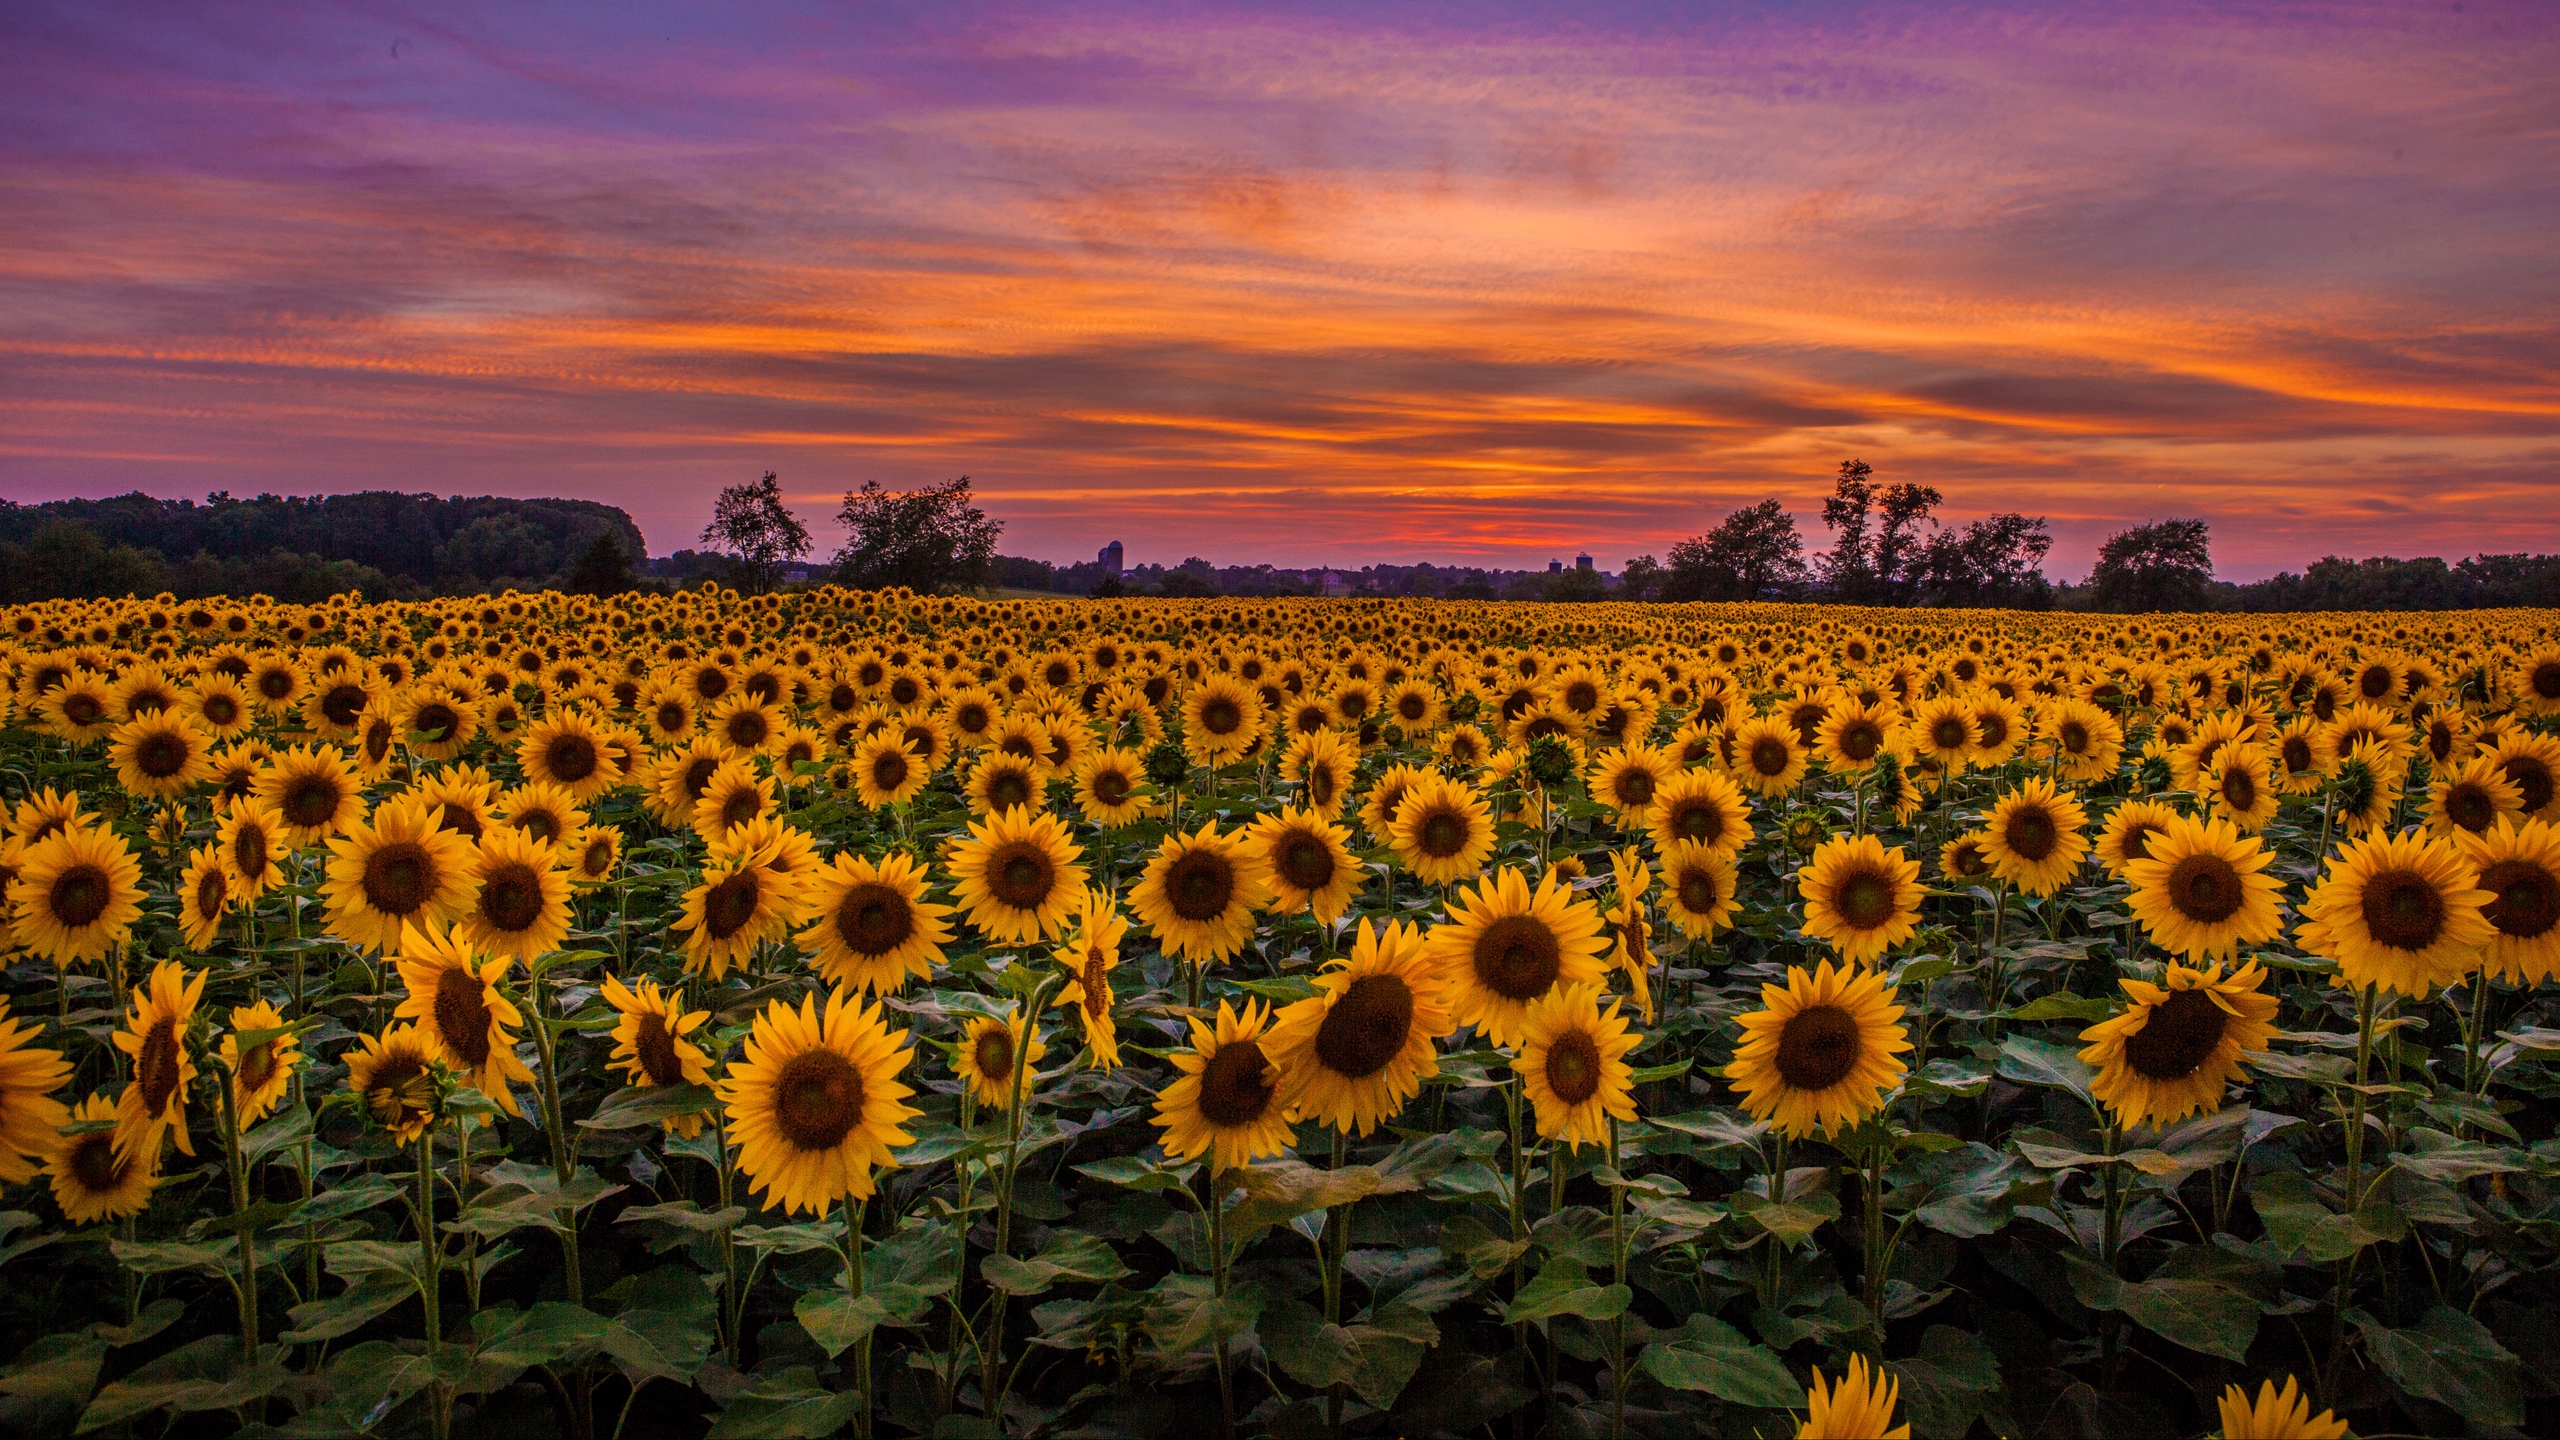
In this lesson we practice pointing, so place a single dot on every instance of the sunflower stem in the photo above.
(1337, 1248)
(2365, 1006)
(2475, 1078)
(239, 1170)
(431, 1288)
(854, 1206)
(1519, 1233)
(1618, 1270)
(1216, 1211)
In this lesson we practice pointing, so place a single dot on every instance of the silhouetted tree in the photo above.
(1993, 562)
(1750, 554)
(1642, 577)
(602, 569)
(1575, 584)
(2165, 565)
(923, 539)
(757, 531)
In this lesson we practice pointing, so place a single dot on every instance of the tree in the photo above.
(602, 569)
(1848, 568)
(1994, 562)
(1751, 553)
(757, 531)
(1884, 567)
(1642, 577)
(923, 539)
(1899, 551)
(496, 547)
(2165, 565)
(1576, 585)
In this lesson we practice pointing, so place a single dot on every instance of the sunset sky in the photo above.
(1304, 283)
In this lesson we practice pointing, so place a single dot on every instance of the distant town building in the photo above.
(1581, 562)
(1109, 558)
(1555, 567)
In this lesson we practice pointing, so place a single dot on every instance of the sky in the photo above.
(1481, 283)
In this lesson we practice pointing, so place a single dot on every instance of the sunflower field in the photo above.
(878, 1014)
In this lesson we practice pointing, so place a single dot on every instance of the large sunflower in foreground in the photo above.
(886, 772)
(1768, 756)
(815, 1102)
(1860, 896)
(1442, 830)
(1221, 719)
(77, 893)
(91, 1180)
(739, 904)
(2128, 832)
(2403, 912)
(1860, 1407)
(30, 1118)
(393, 1077)
(1310, 863)
(568, 750)
(1504, 946)
(262, 1071)
(2201, 889)
(522, 907)
(2241, 786)
(1227, 1102)
(1700, 888)
(2033, 837)
(1017, 875)
(2520, 868)
(2277, 1414)
(455, 1001)
(1703, 807)
(1359, 1048)
(649, 1043)
(2174, 1049)
(2471, 797)
(1111, 786)
(992, 1049)
(1200, 892)
(400, 868)
(313, 790)
(2532, 764)
(160, 755)
(1822, 1052)
(1628, 780)
(155, 1036)
(1573, 1065)
(874, 929)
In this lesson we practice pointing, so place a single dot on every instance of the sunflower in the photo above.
(1943, 729)
(1227, 1101)
(1001, 781)
(668, 714)
(1017, 875)
(1443, 830)
(2033, 838)
(567, 749)
(1357, 1050)
(1088, 954)
(1999, 728)
(2240, 786)
(92, 1180)
(261, 1073)
(334, 702)
(592, 854)
(155, 1035)
(2087, 741)
(992, 1050)
(204, 897)
(1704, 807)
(1860, 1407)
(649, 1044)
(2201, 890)
(1200, 892)
(30, 1118)
(2305, 753)
(313, 790)
(80, 709)
(1851, 736)
(1700, 888)
(2472, 798)
(1310, 863)
(160, 755)
(1462, 745)
(2403, 912)
(2520, 866)
(886, 772)
(875, 930)
(2173, 1050)
(1822, 1053)
(1221, 719)
(2129, 829)
(1631, 932)
(393, 1077)
(439, 722)
(522, 907)
(1573, 1065)
(465, 800)
(1110, 787)
(1411, 705)
(2278, 1415)
(1385, 801)
(2367, 790)
(235, 769)
(400, 868)
(1629, 780)
(1860, 896)
(739, 905)
(734, 796)
(77, 893)
(217, 705)
(744, 725)
(1320, 764)
(2532, 764)
(1504, 946)
(457, 1006)
(1768, 756)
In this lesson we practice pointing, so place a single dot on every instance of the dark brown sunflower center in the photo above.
(249, 852)
(1696, 887)
(1320, 784)
(211, 892)
(2545, 680)
(155, 1066)
(399, 877)
(1021, 875)
(1096, 980)
(2075, 737)
(92, 1163)
(888, 771)
(817, 1099)
(2297, 753)
(462, 1016)
(673, 719)
(1770, 756)
(2528, 902)
(343, 703)
(401, 1090)
(874, 919)
(1518, 958)
(655, 1046)
(274, 684)
(1367, 1027)
(311, 801)
(2402, 910)
(79, 896)
(1966, 859)
(1008, 787)
(748, 729)
(2031, 834)
(1573, 1066)
(161, 755)
(1200, 885)
(1991, 730)
(732, 903)
(1237, 1085)
(511, 897)
(2534, 778)
(1635, 787)
(2180, 1036)
(257, 1066)
(1221, 716)
(1699, 820)
(1410, 708)
(1864, 899)
(1303, 860)
(82, 708)
(436, 720)
(2470, 806)
(1111, 787)
(1948, 734)
(2239, 791)
(743, 805)
(1860, 741)
(993, 1052)
(1818, 1047)
(570, 758)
